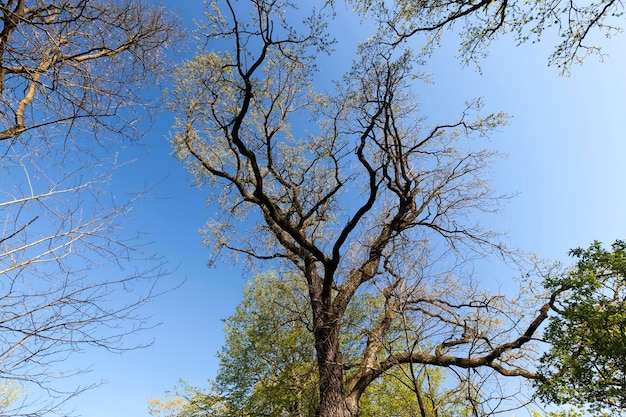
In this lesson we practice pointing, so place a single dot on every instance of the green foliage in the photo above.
(267, 361)
(586, 364)
(10, 393)
(396, 395)
(189, 402)
(170, 407)
(569, 411)
(268, 365)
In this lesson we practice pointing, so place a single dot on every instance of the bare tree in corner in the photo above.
(72, 78)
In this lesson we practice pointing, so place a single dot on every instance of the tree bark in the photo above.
(333, 401)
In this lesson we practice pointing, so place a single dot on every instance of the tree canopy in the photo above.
(581, 27)
(371, 213)
(352, 191)
(267, 365)
(355, 193)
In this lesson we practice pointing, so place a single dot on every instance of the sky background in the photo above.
(566, 151)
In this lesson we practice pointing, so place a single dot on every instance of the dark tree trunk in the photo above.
(333, 401)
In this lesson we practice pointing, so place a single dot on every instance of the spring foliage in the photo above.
(267, 365)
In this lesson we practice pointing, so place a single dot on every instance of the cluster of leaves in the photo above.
(586, 363)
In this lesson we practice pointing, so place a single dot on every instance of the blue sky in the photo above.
(566, 150)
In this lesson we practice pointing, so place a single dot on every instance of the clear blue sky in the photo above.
(566, 149)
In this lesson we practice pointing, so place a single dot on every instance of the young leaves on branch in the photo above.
(579, 27)
(356, 195)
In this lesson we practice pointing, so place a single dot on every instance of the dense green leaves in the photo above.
(586, 364)
(266, 365)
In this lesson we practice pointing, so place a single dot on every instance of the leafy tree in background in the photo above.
(353, 193)
(586, 362)
(10, 393)
(72, 74)
(267, 366)
(580, 26)
(171, 407)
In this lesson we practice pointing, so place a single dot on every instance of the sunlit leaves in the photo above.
(586, 363)
(349, 188)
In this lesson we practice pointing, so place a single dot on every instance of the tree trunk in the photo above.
(333, 401)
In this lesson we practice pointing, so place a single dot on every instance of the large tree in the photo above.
(580, 27)
(72, 75)
(355, 193)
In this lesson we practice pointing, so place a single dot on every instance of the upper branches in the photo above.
(70, 70)
(479, 22)
(236, 112)
(66, 283)
(236, 126)
(244, 105)
(75, 63)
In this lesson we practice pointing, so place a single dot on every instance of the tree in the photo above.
(351, 191)
(577, 25)
(267, 363)
(71, 77)
(75, 66)
(172, 407)
(267, 366)
(586, 362)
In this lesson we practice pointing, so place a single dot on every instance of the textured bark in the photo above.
(333, 401)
